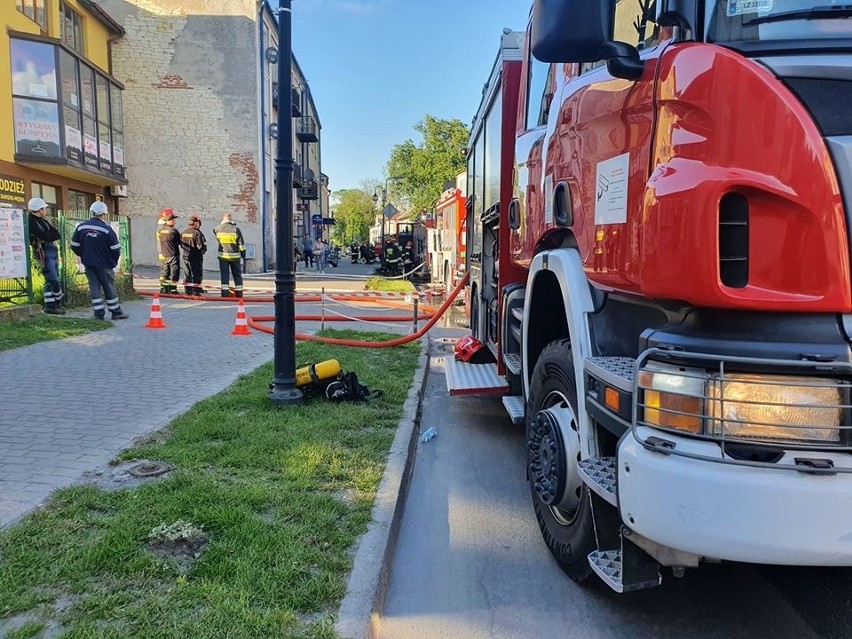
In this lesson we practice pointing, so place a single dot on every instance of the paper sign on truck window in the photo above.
(739, 7)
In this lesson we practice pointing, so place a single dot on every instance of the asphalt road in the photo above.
(470, 562)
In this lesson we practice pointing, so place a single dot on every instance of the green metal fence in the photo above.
(20, 290)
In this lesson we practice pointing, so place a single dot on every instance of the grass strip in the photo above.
(389, 286)
(276, 497)
(32, 330)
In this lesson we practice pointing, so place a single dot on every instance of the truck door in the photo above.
(536, 94)
(605, 150)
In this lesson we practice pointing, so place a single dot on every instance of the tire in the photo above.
(560, 500)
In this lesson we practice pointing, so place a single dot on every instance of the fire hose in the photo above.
(254, 321)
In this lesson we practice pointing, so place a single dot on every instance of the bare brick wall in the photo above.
(190, 115)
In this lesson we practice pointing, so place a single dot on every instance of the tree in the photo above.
(423, 169)
(353, 215)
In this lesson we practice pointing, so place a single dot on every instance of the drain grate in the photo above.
(148, 469)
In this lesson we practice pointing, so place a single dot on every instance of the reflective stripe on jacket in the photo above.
(230, 238)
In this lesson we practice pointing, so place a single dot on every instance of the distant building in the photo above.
(200, 108)
(61, 128)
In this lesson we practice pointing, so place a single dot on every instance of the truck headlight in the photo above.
(740, 406)
(775, 407)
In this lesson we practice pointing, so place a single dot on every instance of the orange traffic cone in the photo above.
(156, 318)
(241, 325)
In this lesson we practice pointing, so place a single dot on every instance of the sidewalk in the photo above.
(70, 405)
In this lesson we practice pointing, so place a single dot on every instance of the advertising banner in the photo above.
(13, 244)
(36, 128)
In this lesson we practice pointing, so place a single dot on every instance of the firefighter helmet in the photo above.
(466, 348)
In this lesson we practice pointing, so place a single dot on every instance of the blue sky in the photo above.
(376, 67)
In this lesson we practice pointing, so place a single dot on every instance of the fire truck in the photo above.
(659, 214)
(447, 239)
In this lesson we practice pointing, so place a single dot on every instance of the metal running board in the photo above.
(615, 371)
(515, 406)
(609, 565)
(464, 378)
(513, 362)
(599, 473)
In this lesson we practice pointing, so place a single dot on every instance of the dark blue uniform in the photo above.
(97, 245)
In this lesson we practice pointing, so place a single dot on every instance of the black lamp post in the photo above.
(382, 211)
(283, 390)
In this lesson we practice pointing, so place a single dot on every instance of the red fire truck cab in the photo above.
(659, 204)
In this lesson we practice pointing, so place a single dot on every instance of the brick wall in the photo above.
(190, 115)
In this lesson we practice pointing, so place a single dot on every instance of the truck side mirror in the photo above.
(570, 30)
(622, 60)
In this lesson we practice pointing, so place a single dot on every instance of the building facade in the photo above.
(62, 132)
(201, 98)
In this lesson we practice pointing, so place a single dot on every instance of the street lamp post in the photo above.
(283, 390)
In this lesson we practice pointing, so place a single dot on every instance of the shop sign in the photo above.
(13, 246)
(90, 146)
(106, 156)
(73, 144)
(12, 190)
(36, 128)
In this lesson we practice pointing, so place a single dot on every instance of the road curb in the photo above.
(366, 591)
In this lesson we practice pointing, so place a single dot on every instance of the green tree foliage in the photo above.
(423, 169)
(353, 213)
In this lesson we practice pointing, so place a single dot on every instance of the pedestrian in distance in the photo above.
(232, 249)
(317, 252)
(97, 245)
(308, 251)
(170, 250)
(43, 236)
(193, 246)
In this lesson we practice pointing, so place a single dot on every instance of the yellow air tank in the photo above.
(315, 373)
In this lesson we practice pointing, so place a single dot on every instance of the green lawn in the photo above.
(274, 499)
(390, 286)
(43, 328)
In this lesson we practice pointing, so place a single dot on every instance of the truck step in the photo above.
(609, 566)
(599, 473)
(515, 406)
(615, 371)
(464, 378)
(513, 362)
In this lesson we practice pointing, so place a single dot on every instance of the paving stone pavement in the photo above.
(70, 405)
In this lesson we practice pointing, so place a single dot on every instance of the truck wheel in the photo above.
(560, 499)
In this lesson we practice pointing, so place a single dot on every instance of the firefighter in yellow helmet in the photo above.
(232, 250)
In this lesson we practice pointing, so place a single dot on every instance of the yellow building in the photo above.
(61, 121)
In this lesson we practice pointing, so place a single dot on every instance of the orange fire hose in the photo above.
(254, 323)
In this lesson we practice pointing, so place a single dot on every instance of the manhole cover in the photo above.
(148, 469)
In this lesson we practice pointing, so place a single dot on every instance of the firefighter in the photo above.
(408, 257)
(161, 221)
(193, 246)
(170, 249)
(393, 256)
(232, 249)
(43, 236)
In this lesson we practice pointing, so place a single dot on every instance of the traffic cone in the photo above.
(241, 325)
(156, 318)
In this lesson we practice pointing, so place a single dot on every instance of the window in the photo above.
(64, 109)
(79, 201)
(34, 10)
(635, 23)
(538, 93)
(104, 139)
(70, 27)
(46, 193)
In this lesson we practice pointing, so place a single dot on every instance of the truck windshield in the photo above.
(755, 20)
